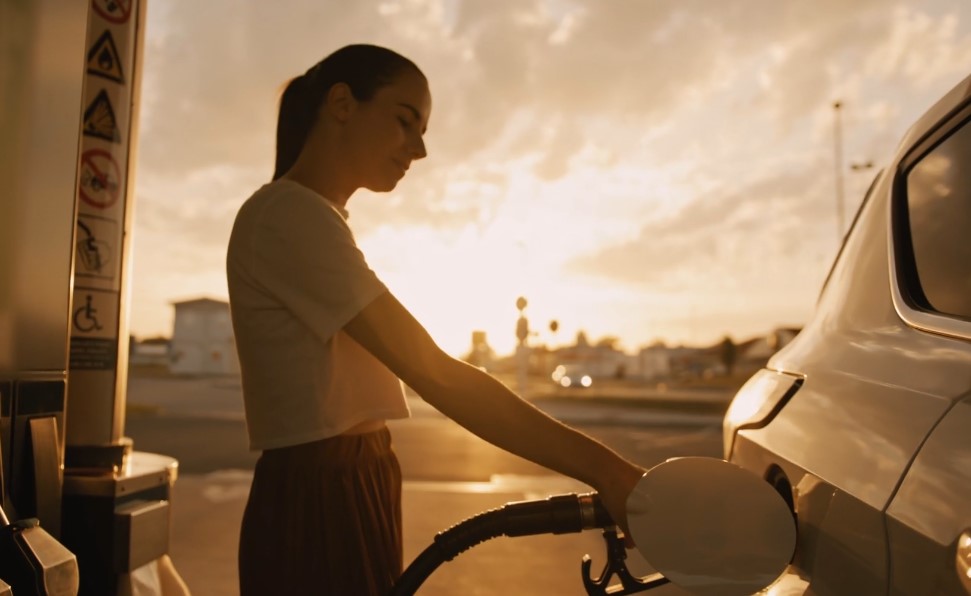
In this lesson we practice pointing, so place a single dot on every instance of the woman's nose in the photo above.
(418, 148)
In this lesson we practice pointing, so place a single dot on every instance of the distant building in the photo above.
(601, 360)
(654, 362)
(202, 339)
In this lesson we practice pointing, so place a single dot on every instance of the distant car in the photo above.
(863, 421)
(572, 375)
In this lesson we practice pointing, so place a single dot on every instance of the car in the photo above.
(863, 421)
(572, 375)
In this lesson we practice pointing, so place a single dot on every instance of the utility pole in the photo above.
(838, 150)
(522, 348)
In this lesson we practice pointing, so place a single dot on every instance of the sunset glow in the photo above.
(645, 170)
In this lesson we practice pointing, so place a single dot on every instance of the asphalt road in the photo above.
(200, 422)
(430, 447)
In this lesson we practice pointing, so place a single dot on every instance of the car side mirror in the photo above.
(711, 526)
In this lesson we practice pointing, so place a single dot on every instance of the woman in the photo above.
(324, 346)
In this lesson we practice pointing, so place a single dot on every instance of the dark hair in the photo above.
(364, 68)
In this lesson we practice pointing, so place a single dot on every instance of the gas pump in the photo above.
(81, 511)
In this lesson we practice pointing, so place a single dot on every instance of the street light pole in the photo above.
(838, 150)
(522, 347)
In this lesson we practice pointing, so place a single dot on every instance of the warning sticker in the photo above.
(89, 353)
(100, 183)
(97, 238)
(99, 119)
(113, 11)
(104, 60)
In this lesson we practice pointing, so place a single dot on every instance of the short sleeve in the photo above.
(304, 254)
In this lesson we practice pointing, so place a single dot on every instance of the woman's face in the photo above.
(385, 133)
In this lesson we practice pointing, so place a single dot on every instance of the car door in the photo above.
(929, 517)
(929, 520)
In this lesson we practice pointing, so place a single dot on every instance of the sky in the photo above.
(648, 170)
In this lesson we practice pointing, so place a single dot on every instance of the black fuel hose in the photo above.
(559, 514)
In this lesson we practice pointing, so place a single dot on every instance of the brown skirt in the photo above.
(323, 518)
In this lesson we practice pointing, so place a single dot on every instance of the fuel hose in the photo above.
(559, 514)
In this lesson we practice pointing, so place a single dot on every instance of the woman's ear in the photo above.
(340, 102)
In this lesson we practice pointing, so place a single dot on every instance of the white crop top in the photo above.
(296, 277)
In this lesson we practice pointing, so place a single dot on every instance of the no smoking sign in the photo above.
(100, 184)
(113, 11)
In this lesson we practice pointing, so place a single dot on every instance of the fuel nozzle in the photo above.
(558, 514)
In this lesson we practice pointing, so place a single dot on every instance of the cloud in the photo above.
(664, 142)
(726, 234)
(214, 72)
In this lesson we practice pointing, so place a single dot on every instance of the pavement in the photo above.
(220, 398)
(207, 507)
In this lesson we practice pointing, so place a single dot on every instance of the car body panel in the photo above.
(860, 396)
(840, 538)
(932, 508)
(874, 448)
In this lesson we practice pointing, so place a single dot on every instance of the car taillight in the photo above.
(756, 403)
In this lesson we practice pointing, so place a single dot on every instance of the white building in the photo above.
(654, 362)
(202, 339)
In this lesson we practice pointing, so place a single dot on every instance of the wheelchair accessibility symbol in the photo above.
(94, 314)
(86, 317)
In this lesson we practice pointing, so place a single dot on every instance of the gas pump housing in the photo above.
(70, 76)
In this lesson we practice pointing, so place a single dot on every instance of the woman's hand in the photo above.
(614, 493)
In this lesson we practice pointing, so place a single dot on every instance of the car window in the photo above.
(939, 217)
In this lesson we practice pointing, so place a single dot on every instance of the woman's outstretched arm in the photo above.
(486, 407)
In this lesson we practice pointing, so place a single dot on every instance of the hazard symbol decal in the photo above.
(94, 246)
(113, 11)
(99, 119)
(103, 59)
(100, 183)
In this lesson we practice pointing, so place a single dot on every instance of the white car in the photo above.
(863, 422)
(572, 375)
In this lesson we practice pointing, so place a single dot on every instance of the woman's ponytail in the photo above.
(298, 111)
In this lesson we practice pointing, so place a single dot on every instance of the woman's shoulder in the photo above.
(287, 200)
